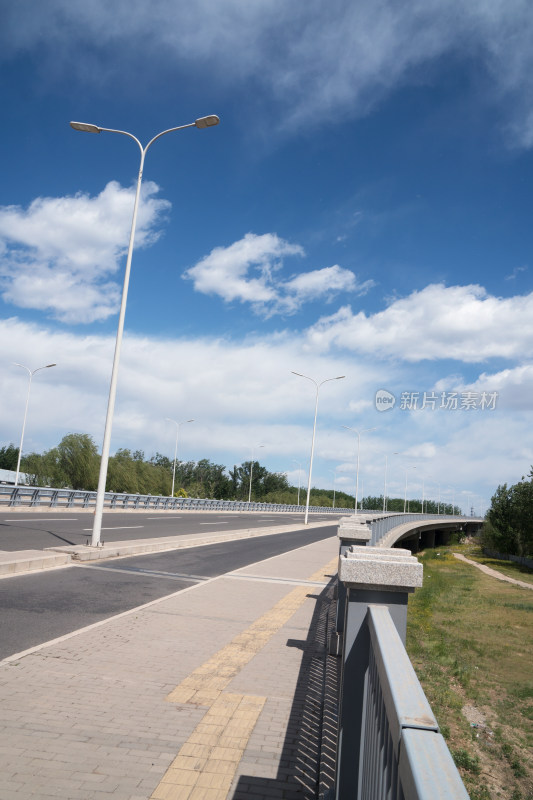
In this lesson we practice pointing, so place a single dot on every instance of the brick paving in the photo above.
(214, 692)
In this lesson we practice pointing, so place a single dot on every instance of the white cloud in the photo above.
(514, 386)
(248, 271)
(457, 322)
(318, 60)
(59, 253)
(243, 395)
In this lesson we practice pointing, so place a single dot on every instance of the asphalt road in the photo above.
(36, 530)
(38, 607)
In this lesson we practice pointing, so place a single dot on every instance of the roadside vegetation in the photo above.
(74, 463)
(470, 638)
(509, 524)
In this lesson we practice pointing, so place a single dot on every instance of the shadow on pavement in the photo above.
(306, 769)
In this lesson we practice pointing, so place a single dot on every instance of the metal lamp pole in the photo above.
(31, 373)
(251, 473)
(334, 473)
(299, 478)
(177, 424)
(365, 430)
(318, 385)
(405, 495)
(203, 122)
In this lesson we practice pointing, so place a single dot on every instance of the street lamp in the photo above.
(334, 473)
(405, 495)
(365, 430)
(31, 373)
(318, 385)
(203, 122)
(453, 499)
(423, 490)
(299, 478)
(251, 472)
(177, 424)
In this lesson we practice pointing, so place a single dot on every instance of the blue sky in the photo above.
(363, 209)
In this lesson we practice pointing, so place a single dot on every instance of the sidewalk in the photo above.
(214, 692)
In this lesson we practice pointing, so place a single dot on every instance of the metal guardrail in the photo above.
(403, 755)
(35, 496)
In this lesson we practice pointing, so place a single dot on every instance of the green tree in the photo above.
(78, 461)
(509, 521)
(9, 456)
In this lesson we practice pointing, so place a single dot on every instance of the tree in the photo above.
(78, 461)
(9, 456)
(509, 525)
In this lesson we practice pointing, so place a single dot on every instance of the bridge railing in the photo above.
(44, 497)
(382, 526)
(389, 744)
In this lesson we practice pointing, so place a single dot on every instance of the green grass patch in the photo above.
(470, 639)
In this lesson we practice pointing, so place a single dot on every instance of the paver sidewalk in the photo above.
(214, 692)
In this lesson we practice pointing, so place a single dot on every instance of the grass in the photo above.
(470, 638)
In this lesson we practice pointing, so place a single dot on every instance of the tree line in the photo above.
(508, 526)
(75, 463)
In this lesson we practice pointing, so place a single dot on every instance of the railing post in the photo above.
(371, 576)
(350, 532)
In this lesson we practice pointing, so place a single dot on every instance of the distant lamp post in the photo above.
(177, 424)
(31, 373)
(423, 490)
(317, 385)
(203, 122)
(334, 473)
(405, 495)
(299, 478)
(251, 473)
(453, 499)
(358, 433)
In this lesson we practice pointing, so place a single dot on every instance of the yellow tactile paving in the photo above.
(202, 770)
(205, 765)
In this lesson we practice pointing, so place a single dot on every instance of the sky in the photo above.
(363, 209)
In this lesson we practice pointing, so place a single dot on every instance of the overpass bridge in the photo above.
(414, 531)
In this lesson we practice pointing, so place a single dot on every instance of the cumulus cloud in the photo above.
(248, 271)
(316, 59)
(244, 394)
(58, 254)
(439, 322)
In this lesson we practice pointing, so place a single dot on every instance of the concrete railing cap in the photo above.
(388, 570)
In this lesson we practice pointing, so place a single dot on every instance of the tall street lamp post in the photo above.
(358, 433)
(203, 122)
(317, 385)
(251, 472)
(177, 424)
(299, 478)
(31, 373)
(405, 495)
(334, 473)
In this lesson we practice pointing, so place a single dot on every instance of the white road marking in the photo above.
(44, 519)
(117, 528)
(214, 523)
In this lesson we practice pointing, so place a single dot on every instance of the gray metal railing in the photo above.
(35, 496)
(383, 525)
(389, 744)
(403, 753)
